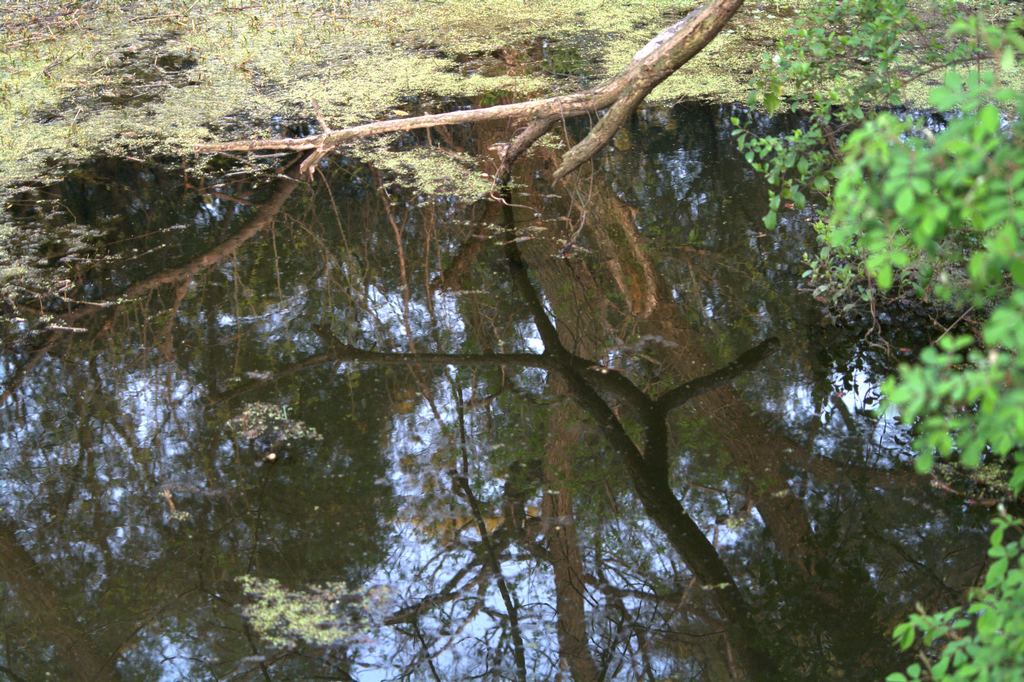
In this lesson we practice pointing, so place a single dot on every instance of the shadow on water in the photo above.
(597, 433)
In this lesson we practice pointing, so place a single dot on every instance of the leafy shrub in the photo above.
(935, 210)
(984, 640)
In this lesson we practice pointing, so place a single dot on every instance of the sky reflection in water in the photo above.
(477, 383)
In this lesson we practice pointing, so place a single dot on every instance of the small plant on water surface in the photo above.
(269, 425)
(325, 615)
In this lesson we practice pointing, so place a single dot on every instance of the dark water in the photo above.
(599, 433)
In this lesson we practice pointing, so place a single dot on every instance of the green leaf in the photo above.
(799, 200)
(1017, 272)
(904, 633)
(996, 573)
(884, 277)
(988, 119)
(987, 623)
(1008, 60)
(904, 201)
(1017, 480)
(924, 463)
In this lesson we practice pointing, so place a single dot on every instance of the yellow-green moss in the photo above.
(324, 615)
(119, 76)
(98, 83)
(431, 170)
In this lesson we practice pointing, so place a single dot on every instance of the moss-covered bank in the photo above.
(121, 79)
(117, 77)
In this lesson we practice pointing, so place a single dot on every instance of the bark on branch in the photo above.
(659, 59)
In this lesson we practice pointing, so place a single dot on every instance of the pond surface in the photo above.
(340, 430)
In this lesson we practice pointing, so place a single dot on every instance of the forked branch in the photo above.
(659, 59)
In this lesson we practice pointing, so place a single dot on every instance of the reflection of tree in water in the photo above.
(840, 630)
(106, 439)
(533, 514)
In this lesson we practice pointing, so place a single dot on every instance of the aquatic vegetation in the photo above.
(430, 170)
(324, 615)
(271, 425)
(155, 76)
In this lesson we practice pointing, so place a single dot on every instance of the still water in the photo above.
(339, 430)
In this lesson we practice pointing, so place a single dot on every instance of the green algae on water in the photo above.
(325, 615)
(158, 76)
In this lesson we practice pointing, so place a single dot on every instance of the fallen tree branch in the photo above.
(659, 59)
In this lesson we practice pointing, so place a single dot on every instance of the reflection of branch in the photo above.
(615, 600)
(451, 278)
(650, 482)
(343, 351)
(647, 467)
(559, 527)
(450, 591)
(396, 231)
(511, 607)
(606, 379)
(426, 651)
(281, 373)
(679, 395)
(264, 218)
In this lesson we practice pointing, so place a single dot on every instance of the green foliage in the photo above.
(838, 64)
(938, 213)
(985, 640)
(943, 211)
(930, 210)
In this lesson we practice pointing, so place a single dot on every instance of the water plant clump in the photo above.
(324, 615)
(270, 426)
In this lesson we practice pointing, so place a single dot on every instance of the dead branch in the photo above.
(659, 59)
